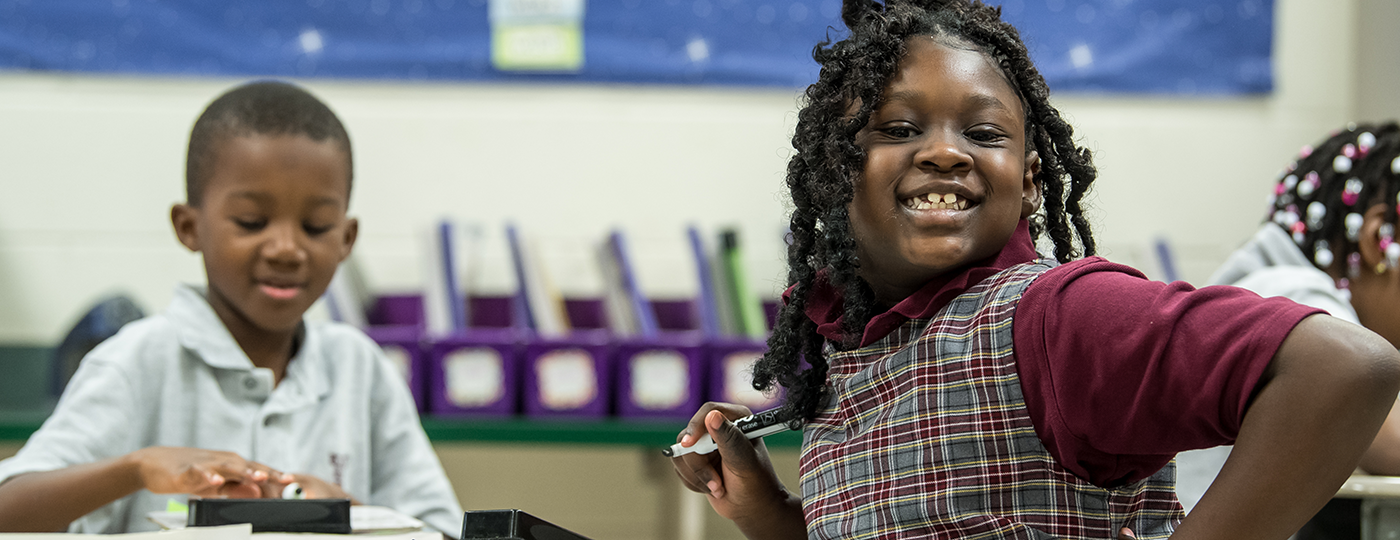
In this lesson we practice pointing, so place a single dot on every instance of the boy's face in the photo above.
(947, 176)
(272, 228)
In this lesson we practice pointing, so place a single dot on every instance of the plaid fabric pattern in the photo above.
(927, 435)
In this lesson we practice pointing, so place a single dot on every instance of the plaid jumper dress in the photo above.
(926, 435)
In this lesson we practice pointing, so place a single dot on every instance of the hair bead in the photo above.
(1351, 192)
(1322, 255)
(1341, 164)
(1353, 223)
(1365, 141)
(1316, 213)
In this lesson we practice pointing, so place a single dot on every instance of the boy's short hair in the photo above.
(258, 108)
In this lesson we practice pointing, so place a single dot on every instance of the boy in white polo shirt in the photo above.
(229, 391)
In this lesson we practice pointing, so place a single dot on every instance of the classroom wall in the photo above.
(89, 166)
(1377, 51)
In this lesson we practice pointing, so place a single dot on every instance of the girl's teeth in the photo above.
(941, 202)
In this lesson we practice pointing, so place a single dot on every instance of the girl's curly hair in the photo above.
(827, 161)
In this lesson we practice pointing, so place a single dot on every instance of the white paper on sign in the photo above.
(660, 379)
(475, 376)
(567, 379)
(738, 381)
(399, 357)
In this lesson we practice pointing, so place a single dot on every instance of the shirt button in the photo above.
(250, 383)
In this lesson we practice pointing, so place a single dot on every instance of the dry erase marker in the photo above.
(754, 426)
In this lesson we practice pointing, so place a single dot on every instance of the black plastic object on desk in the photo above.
(512, 525)
(274, 515)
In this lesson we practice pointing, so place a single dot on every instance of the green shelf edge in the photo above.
(602, 431)
(610, 431)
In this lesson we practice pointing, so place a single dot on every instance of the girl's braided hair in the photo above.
(1347, 173)
(827, 162)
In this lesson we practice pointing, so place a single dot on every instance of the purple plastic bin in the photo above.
(403, 345)
(662, 377)
(770, 313)
(475, 373)
(675, 314)
(569, 376)
(586, 313)
(731, 373)
(489, 311)
(397, 310)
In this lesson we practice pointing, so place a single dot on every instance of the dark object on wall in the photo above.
(327, 516)
(511, 525)
(98, 324)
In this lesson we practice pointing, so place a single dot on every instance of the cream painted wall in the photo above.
(90, 165)
(1378, 60)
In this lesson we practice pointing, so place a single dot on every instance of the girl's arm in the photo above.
(1383, 457)
(738, 479)
(1316, 410)
(48, 501)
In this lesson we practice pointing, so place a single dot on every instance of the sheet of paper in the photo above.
(242, 531)
(379, 519)
(419, 535)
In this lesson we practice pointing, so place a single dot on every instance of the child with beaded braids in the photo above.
(1328, 241)
(954, 383)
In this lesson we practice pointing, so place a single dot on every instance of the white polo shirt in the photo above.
(341, 413)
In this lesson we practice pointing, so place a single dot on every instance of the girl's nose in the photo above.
(942, 154)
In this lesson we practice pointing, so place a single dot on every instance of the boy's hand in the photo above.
(205, 473)
(738, 478)
(316, 488)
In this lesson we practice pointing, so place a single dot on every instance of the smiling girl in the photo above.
(957, 384)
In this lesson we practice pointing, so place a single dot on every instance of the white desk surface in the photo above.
(226, 532)
(1364, 486)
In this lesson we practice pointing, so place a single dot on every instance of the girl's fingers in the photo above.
(715, 488)
(705, 475)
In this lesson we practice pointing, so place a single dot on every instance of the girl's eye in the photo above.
(315, 230)
(900, 132)
(986, 136)
(250, 224)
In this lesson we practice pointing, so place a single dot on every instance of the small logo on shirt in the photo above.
(338, 463)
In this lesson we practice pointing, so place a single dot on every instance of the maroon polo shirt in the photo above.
(1119, 372)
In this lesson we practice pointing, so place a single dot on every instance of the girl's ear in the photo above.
(1369, 242)
(1030, 191)
(185, 219)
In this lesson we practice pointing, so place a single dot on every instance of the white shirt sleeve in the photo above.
(93, 421)
(407, 475)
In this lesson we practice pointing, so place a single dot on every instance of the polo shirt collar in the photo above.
(825, 306)
(200, 330)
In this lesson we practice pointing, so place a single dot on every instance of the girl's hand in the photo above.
(204, 473)
(738, 478)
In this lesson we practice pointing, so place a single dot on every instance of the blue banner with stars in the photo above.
(1179, 47)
